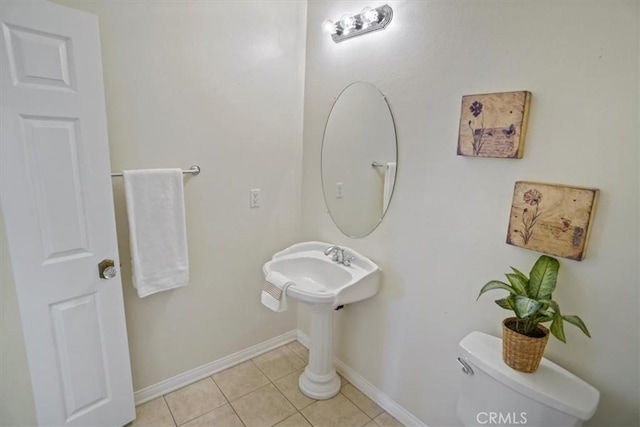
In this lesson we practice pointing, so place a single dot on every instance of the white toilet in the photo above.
(493, 394)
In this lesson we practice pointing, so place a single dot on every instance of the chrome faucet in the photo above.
(339, 255)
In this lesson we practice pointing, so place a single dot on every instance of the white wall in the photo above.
(444, 234)
(185, 85)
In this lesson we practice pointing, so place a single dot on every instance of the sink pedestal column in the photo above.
(319, 379)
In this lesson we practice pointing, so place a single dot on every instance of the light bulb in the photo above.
(348, 22)
(369, 15)
(329, 27)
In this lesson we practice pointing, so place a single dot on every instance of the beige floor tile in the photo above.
(367, 405)
(279, 362)
(335, 412)
(240, 380)
(386, 420)
(223, 416)
(296, 420)
(194, 400)
(371, 424)
(300, 350)
(154, 413)
(263, 407)
(288, 385)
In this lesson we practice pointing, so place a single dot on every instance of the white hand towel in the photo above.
(274, 292)
(389, 182)
(157, 229)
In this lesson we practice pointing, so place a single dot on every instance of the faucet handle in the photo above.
(335, 251)
(346, 261)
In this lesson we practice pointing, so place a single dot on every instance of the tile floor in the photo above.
(261, 392)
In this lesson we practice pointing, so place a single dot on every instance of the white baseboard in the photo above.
(371, 391)
(186, 378)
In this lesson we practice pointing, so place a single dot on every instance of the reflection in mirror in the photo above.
(359, 158)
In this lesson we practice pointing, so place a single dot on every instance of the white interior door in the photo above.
(57, 201)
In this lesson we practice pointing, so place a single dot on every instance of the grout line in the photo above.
(219, 389)
(201, 415)
(262, 386)
(288, 373)
(237, 414)
(242, 395)
(272, 382)
(355, 404)
(288, 400)
(285, 398)
(261, 371)
(169, 408)
(256, 389)
(307, 419)
(204, 413)
(295, 353)
(366, 397)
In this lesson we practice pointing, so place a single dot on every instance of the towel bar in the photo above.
(195, 170)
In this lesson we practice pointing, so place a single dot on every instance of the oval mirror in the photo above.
(359, 159)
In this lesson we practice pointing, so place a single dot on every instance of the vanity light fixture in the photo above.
(368, 20)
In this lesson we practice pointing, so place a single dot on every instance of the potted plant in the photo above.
(530, 298)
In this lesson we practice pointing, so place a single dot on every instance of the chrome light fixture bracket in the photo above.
(365, 22)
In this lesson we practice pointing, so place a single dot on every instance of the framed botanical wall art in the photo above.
(494, 124)
(553, 219)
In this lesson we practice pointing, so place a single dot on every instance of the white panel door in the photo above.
(55, 189)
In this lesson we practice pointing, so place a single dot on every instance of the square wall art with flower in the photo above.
(494, 124)
(553, 219)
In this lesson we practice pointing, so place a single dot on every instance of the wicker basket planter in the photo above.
(519, 351)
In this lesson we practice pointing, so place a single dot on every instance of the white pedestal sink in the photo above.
(323, 284)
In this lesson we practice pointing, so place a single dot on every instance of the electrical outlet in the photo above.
(338, 190)
(254, 198)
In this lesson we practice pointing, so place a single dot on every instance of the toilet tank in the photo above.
(494, 394)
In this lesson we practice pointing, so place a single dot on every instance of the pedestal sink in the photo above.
(323, 284)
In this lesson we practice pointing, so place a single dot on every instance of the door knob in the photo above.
(107, 269)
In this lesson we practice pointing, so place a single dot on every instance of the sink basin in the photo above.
(317, 279)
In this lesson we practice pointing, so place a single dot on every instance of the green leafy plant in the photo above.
(531, 299)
